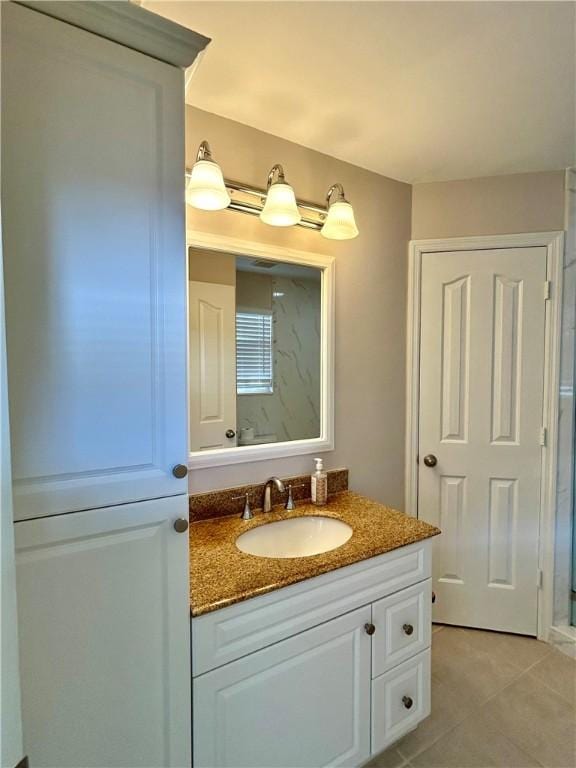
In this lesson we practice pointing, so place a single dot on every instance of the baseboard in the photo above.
(563, 639)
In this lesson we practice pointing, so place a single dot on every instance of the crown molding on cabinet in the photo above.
(129, 25)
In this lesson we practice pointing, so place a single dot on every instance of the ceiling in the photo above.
(418, 91)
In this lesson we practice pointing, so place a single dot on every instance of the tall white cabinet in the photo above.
(94, 261)
(92, 189)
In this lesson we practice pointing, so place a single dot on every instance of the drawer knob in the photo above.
(180, 471)
(408, 629)
(433, 597)
(407, 701)
(370, 629)
(181, 525)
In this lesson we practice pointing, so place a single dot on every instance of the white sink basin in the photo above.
(296, 537)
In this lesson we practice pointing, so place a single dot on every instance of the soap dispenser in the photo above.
(319, 484)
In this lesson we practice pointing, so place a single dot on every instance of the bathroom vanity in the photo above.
(312, 661)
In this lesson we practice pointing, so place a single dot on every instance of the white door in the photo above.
(104, 621)
(95, 267)
(212, 339)
(302, 702)
(481, 410)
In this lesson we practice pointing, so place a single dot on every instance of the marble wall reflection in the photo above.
(292, 411)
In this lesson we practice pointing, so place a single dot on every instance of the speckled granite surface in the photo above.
(205, 506)
(221, 575)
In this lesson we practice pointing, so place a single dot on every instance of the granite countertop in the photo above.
(221, 575)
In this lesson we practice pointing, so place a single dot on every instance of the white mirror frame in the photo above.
(241, 454)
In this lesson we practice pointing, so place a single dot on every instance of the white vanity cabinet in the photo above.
(326, 672)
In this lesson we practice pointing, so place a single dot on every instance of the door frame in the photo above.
(554, 244)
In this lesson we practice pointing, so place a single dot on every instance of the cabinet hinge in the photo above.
(539, 578)
(543, 436)
(547, 290)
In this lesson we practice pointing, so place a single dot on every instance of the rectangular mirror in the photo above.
(259, 355)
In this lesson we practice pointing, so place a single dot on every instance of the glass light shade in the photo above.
(280, 209)
(340, 223)
(205, 188)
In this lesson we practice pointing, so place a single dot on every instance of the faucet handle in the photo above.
(247, 512)
(290, 503)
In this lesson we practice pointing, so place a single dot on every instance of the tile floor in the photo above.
(498, 701)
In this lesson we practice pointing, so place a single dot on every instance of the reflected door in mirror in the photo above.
(212, 338)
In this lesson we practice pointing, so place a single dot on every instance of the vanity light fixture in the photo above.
(205, 188)
(280, 208)
(340, 223)
(277, 205)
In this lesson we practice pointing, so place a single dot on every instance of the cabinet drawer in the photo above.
(403, 624)
(400, 700)
(232, 632)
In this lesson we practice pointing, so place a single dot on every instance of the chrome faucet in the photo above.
(267, 499)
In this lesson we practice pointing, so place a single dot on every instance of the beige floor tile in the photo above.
(538, 721)
(518, 650)
(475, 743)
(390, 758)
(474, 674)
(448, 709)
(558, 671)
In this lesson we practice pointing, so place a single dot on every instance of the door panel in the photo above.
(104, 629)
(212, 338)
(481, 396)
(302, 702)
(94, 266)
(455, 362)
(507, 340)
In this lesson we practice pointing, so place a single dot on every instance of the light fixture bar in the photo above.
(255, 203)
(237, 187)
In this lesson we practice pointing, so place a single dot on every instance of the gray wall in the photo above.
(370, 300)
(495, 205)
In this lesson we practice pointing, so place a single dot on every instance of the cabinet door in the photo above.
(94, 251)
(302, 702)
(104, 637)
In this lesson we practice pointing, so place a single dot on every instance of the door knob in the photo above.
(230, 434)
(408, 629)
(430, 460)
(180, 471)
(369, 629)
(407, 701)
(181, 525)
